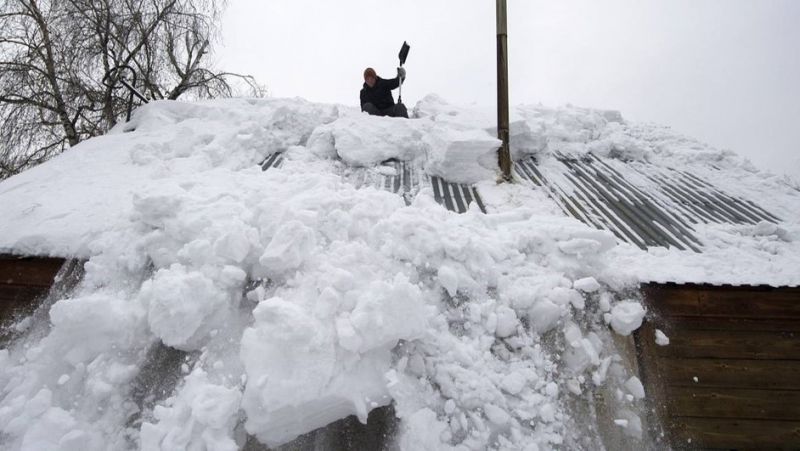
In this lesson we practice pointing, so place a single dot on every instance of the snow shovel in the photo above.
(402, 55)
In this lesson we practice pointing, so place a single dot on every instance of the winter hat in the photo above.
(369, 72)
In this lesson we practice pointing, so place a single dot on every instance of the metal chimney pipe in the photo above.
(504, 154)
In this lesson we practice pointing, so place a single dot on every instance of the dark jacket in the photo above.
(379, 95)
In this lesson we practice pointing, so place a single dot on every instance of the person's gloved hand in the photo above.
(401, 72)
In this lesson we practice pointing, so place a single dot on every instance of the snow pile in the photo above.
(94, 189)
(290, 298)
(454, 152)
(542, 131)
(570, 130)
(482, 376)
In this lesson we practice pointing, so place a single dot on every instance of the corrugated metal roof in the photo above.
(660, 209)
(406, 181)
(600, 193)
(272, 161)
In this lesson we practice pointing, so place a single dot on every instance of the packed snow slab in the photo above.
(457, 154)
(288, 352)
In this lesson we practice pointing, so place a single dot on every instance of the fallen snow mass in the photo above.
(221, 301)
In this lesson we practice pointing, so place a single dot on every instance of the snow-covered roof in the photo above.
(356, 279)
(677, 192)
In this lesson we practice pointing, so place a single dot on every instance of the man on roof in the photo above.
(376, 95)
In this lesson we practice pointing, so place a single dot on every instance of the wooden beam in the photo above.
(711, 402)
(720, 344)
(677, 324)
(778, 304)
(732, 373)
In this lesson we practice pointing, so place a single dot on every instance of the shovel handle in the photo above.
(400, 88)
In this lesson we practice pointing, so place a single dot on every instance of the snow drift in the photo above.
(296, 299)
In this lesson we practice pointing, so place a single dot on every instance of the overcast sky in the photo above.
(724, 71)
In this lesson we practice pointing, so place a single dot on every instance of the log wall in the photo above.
(730, 377)
(24, 280)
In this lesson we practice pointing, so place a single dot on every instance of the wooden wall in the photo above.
(23, 280)
(730, 377)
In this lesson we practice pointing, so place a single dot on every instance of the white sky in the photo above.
(724, 71)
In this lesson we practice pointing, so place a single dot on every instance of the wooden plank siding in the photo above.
(29, 286)
(730, 377)
(23, 280)
(29, 271)
(735, 434)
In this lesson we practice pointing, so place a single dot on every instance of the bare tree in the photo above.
(54, 55)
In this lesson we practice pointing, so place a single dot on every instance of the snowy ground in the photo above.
(299, 299)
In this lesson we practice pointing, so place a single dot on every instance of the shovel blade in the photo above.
(403, 52)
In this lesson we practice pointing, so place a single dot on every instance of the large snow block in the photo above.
(304, 372)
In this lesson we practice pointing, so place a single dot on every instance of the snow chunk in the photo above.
(423, 431)
(183, 306)
(587, 285)
(85, 327)
(55, 429)
(580, 246)
(661, 338)
(766, 228)
(630, 422)
(626, 316)
(289, 362)
(506, 322)
(449, 279)
(513, 383)
(201, 416)
(635, 387)
(363, 140)
(462, 156)
(299, 379)
(236, 242)
(288, 249)
(376, 314)
(544, 316)
(496, 415)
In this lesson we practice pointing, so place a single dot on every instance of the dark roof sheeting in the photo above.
(661, 211)
(406, 181)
